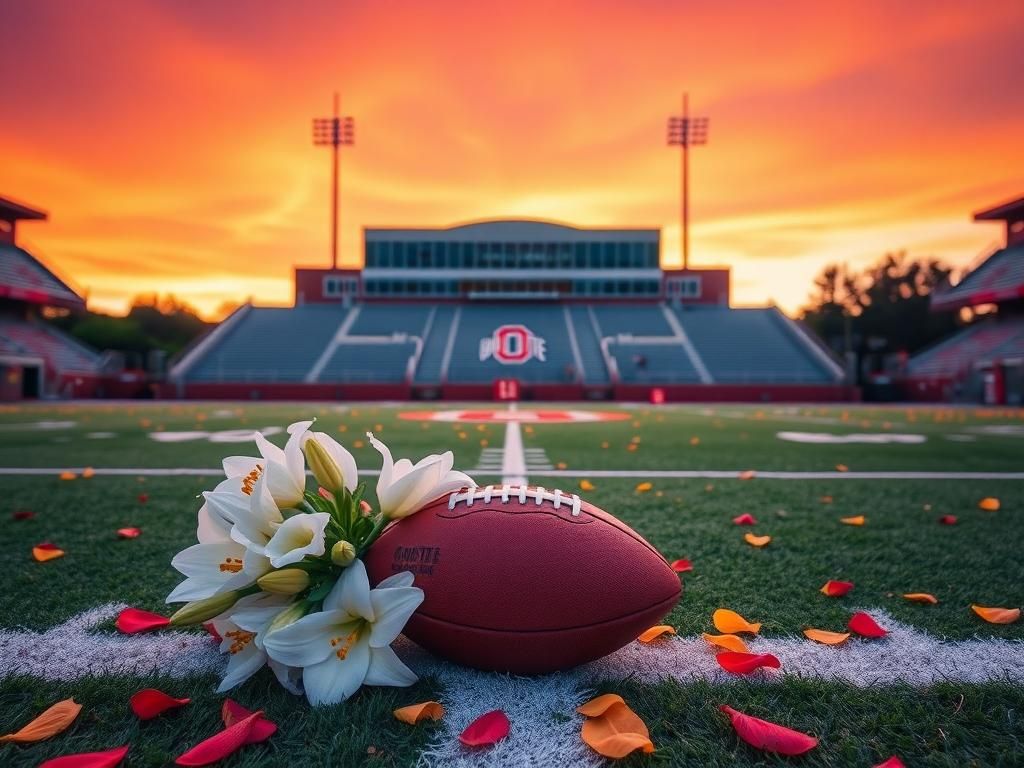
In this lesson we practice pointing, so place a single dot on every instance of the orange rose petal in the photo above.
(414, 713)
(921, 597)
(856, 520)
(612, 729)
(757, 541)
(88, 472)
(46, 551)
(836, 588)
(655, 632)
(731, 622)
(997, 615)
(989, 504)
(728, 642)
(644, 487)
(747, 474)
(51, 722)
(586, 485)
(68, 475)
(842, 468)
(826, 637)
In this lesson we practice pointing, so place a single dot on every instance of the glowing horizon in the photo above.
(171, 143)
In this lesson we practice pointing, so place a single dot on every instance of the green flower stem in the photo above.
(378, 526)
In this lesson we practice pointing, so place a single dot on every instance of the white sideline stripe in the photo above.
(651, 474)
(513, 460)
(545, 727)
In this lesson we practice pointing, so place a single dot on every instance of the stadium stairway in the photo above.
(588, 342)
(431, 361)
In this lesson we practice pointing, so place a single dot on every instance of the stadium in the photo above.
(507, 476)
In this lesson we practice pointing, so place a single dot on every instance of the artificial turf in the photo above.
(901, 548)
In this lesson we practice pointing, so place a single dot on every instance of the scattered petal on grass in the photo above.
(132, 620)
(143, 498)
(855, 520)
(612, 729)
(487, 729)
(757, 541)
(222, 744)
(51, 722)
(826, 499)
(23, 514)
(997, 615)
(105, 759)
(68, 475)
(767, 736)
(644, 487)
(747, 474)
(88, 472)
(947, 520)
(892, 762)
(694, 441)
(46, 551)
(731, 622)
(682, 566)
(149, 703)
(129, 533)
(836, 588)
(745, 519)
(654, 633)
(729, 642)
(825, 637)
(745, 663)
(921, 597)
(989, 504)
(842, 468)
(586, 485)
(232, 712)
(865, 626)
(427, 710)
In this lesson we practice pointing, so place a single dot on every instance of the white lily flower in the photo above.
(255, 521)
(215, 567)
(348, 643)
(345, 461)
(404, 487)
(243, 630)
(283, 468)
(298, 536)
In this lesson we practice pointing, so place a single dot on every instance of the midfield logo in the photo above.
(513, 345)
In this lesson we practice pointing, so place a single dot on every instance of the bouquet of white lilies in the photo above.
(277, 571)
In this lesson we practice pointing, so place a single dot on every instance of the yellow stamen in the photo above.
(249, 481)
(346, 644)
(239, 640)
(232, 564)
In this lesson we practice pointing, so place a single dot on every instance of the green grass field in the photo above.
(900, 549)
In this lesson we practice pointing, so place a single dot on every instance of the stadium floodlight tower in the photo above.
(685, 131)
(334, 132)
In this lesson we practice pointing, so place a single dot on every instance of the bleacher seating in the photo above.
(654, 364)
(953, 356)
(23, 277)
(998, 278)
(60, 352)
(387, 319)
(269, 345)
(360, 363)
(637, 320)
(751, 345)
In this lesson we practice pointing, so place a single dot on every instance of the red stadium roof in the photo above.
(12, 211)
(1010, 210)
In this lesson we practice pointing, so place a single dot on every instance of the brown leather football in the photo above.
(524, 580)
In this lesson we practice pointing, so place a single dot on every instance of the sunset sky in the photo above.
(171, 141)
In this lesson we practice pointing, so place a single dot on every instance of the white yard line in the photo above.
(514, 466)
(545, 726)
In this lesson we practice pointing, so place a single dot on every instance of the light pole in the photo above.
(334, 132)
(685, 131)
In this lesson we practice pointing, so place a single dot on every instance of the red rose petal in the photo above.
(129, 533)
(23, 514)
(947, 520)
(865, 626)
(745, 663)
(106, 759)
(745, 519)
(149, 703)
(143, 498)
(222, 744)
(232, 712)
(46, 545)
(132, 620)
(487, 729)
(892, 762)
(682, 566)
(767, 736)
(836, 588)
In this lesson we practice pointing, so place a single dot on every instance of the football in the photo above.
(523, 579)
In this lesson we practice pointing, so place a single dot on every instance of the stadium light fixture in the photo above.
(685, 131)
(334, 132)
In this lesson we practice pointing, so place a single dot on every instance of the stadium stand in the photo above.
(564, 312)
(981, 362)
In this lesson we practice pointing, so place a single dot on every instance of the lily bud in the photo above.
(343, 553)
(287, 581)
(325, 469)
(199, 611)
(289, 615)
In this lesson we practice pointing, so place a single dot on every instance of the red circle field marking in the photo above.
(501, 416)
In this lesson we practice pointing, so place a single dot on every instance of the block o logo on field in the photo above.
(513, 345)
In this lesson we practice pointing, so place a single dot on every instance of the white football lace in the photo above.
(523, 492)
